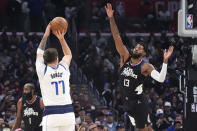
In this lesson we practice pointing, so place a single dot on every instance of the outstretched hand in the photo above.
(59, 34)
(48, 30)
(109, 10)
(168, 53)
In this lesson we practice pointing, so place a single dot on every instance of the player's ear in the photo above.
(144, 53)
(33, 91)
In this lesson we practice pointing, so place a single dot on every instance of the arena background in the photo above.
(94, 68)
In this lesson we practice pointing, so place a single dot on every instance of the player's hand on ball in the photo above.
(48, 30)
(168, 53)
(109, 10)
(59, 34)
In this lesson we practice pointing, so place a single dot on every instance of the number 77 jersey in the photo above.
(54, 83)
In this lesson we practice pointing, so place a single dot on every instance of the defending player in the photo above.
(54, 83)
(29, 109)
(133, 71)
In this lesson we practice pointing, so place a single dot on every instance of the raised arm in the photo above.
(41, 47)
(17, 123)
(67, 52)
(148, 69)
(122, 50)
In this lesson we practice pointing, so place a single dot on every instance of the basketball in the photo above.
(59, 23)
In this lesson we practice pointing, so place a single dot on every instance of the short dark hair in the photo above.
(144, 45)
(31, 86)
(50, 55)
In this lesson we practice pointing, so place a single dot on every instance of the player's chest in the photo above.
(130, 73)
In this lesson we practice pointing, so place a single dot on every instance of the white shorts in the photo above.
(59, 122)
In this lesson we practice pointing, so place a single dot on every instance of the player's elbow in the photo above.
(71, 56)
(161, 80)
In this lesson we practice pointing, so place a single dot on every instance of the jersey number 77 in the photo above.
(57, 84)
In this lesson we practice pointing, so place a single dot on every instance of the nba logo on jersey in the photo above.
(189, 21)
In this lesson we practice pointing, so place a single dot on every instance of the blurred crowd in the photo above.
(17, 67)
(34, 15)
(98, 59)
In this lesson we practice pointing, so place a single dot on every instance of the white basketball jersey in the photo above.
(54, 83)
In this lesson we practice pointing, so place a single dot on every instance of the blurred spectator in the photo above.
(110, 123)
(120, 127)
(49, 11)
(161, 122)
(101, 117)
(89, 119)
(25, 11)
(36, 17)
(1, 123)
(82, 128)
(98, 40)
(13, 11)
(81, 117)
(168, 113)
(164, 17)
(177, 123)
(93, 127)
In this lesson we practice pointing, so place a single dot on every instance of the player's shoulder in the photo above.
(63, 65)
(147, 65)
(20, 102)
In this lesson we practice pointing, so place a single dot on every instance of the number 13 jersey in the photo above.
(131, 79)
(54, 83)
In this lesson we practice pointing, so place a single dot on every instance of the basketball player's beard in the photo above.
(135, 56)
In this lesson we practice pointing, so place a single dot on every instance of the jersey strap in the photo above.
(63, 66)
(45, 70)
(49, 110)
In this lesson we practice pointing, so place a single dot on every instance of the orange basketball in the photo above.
(59, 23)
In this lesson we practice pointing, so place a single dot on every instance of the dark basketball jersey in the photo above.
(32, 114)
(131, 79)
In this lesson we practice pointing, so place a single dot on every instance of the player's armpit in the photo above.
(123, 59)
(19, 115)
(147, 69)
(66, 60)
(42, 104)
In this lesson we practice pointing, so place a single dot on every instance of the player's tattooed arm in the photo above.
(44, 38)
(43, 43)
(19, 115)
(122, 50)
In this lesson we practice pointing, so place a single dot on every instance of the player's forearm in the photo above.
(43, 43)
(65, 47)
(113, 26)
(160, 77)
(116, 35)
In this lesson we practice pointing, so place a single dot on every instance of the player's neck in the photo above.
(54, 65)
(32, 100)
(136, 61)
